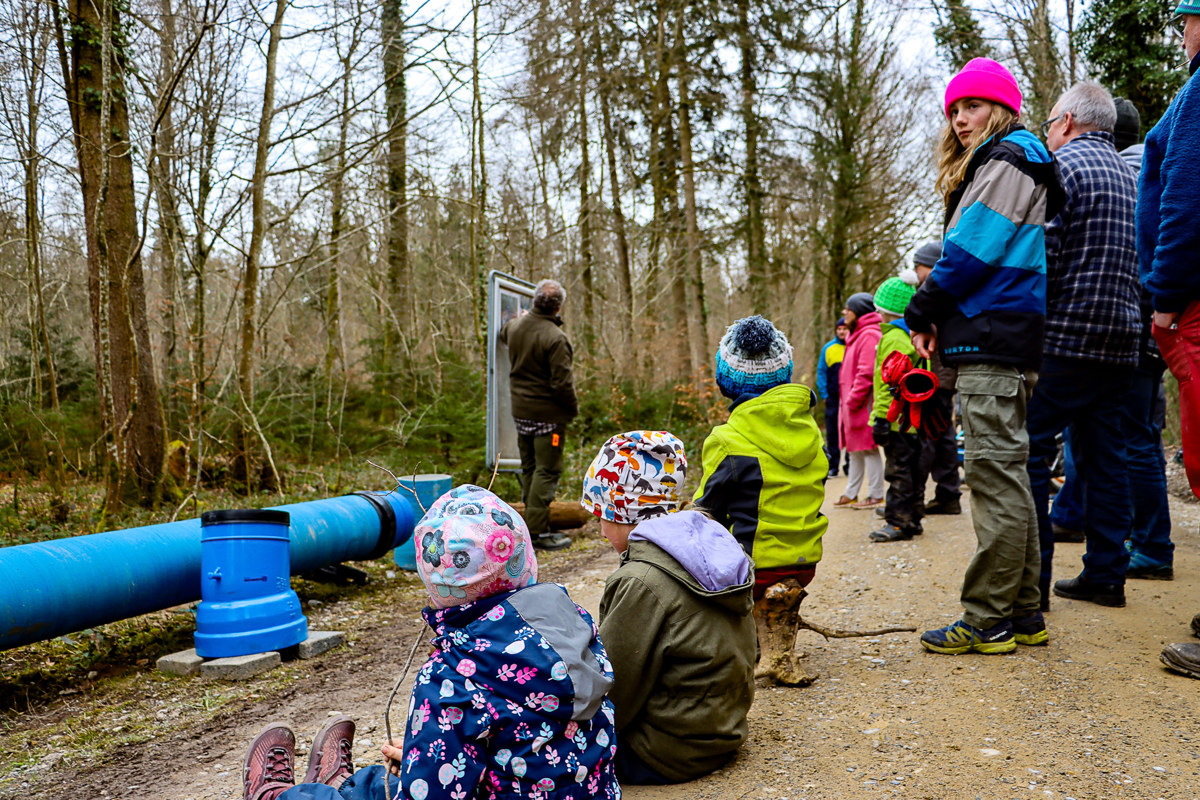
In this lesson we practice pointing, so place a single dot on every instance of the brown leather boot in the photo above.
(777, 617)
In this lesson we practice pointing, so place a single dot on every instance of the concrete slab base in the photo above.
(318, 642)
(239, 668)
(187, 664)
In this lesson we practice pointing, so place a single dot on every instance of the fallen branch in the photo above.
(838, 633)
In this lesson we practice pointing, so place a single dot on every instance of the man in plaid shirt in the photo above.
(1091, 342)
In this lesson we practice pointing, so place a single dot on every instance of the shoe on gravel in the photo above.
(1068, 535)
(1182, 657)
(1030, 630)
(959, 638)
(268, 770)
(331, 760)
(890, 533)
(1102, 594)
(1144, 567)
(870, 502)
(881, 512)
(1196, 625)
(950, 507)
(552, 541)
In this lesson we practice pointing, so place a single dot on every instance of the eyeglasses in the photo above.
(1046, 125)
(1177, 24)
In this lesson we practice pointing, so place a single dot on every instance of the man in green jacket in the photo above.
(676, 617)
(543, 403)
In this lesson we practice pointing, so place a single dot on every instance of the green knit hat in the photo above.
(1188, 7)
(893, 295)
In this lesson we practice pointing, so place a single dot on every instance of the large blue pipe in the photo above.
(51, 588)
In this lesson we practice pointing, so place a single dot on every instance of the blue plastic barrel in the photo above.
(247, 603)
(428, 487)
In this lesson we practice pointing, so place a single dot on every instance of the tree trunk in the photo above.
(479, 196)
(756, 260)
(398, 313)
(624, 269)
(697, 312)
(131, 408)
(248, 427)
(585, 172)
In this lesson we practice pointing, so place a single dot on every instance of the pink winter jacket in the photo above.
(855, 383)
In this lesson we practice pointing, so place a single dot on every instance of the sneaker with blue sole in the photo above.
(1030, 630)
(1146, 568)
(960, 638)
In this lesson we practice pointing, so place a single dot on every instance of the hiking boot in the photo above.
(949, 507)
(962, 638)
(1068, 535)
(890, 533)
(1196, 625)
(1182, 657)
(267, 771)
(1030, 630)
(1102, 594)
(551, 541)
(832, 473)
(870, 502)
(330, 760)
(1144, 567)
(845, 501)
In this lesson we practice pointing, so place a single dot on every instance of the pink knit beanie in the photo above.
(987, 80)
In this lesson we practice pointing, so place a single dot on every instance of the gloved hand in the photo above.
(881, 431)
(895, 367)
(936, 415)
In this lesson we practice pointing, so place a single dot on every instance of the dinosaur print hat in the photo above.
(471, 544)
(636, 476)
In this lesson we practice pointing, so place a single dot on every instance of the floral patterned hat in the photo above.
(471, 544)
(636, 476)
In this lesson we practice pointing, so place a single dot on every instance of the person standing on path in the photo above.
(1093, 324)
(543, 404)
(829, 367)
(856, 383)
(983, 307)
(1168, 244)
(939, 457)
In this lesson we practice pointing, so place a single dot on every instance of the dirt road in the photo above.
(1093, 715)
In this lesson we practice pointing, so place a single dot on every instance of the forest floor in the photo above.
(1092, 715)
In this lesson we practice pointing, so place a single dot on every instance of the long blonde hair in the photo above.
(953, 157)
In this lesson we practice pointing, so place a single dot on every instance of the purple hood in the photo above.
(703, 547)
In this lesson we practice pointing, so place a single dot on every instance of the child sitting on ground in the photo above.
(511, 704)
(676, 615)
(764, 479)
(901, 448)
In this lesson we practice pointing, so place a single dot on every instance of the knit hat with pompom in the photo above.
(754, 356)
(893, 295)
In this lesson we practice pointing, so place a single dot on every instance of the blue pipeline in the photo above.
(66, 585)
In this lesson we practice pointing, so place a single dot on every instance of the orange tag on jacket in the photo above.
(554, 441)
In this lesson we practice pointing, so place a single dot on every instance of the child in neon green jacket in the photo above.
(905, 505)
(764, 479)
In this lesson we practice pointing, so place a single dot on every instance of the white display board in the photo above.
(508, 297)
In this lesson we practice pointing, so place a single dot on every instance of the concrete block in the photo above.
(239, 668)
(185, 663)
(320, 641)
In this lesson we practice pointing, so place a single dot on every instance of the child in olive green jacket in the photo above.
(764, 479)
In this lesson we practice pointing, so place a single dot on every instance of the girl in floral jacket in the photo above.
(513, 701)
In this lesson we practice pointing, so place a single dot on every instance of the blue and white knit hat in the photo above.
(753, 356)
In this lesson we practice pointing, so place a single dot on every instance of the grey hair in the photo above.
(549, 296)
(1091, 105)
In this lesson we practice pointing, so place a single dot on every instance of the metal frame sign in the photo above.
(508, 298)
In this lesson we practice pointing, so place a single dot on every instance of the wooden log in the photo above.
(563, 515)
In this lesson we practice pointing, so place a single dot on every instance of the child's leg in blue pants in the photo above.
(366, 784)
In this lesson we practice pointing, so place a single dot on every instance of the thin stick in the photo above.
(838, 633)
(495, 471)
(400, 484)
(387, 710)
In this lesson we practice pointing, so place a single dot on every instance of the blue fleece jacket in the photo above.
(1168, 209)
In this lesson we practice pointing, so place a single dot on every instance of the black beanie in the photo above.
(861, 303)
(1128, 129)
